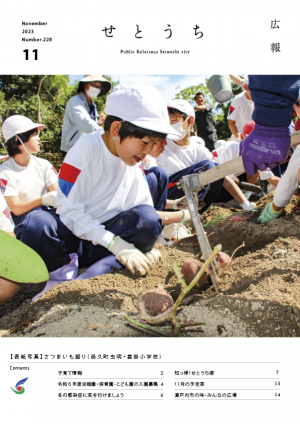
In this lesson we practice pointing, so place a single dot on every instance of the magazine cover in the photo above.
(149, 214)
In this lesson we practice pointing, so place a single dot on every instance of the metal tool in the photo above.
(195, 183)
(202, 239)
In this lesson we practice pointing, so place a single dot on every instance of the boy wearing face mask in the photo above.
(186, 155)
(81, 114)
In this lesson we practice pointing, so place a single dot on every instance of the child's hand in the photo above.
(49, 198)
(129, 256)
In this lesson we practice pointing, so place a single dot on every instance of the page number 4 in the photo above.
(27, 54)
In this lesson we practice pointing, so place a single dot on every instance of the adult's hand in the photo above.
(265, 147)
(268, 214)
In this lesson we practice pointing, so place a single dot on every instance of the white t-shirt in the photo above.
(6, 223)
(288, 183)
(196, 139)
(27, 182)
(231, 150)
(240, 111)
(176, 158)
(95, 186)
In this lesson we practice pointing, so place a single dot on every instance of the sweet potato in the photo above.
(223, 259)
(189, 270)
(157, 301)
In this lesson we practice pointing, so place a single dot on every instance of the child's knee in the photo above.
(149, 226)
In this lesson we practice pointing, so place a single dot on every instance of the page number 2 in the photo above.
(27, 54)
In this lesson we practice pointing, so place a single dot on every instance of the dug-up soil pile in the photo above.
(260, 290)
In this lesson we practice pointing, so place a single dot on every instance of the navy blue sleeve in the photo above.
(274, 97)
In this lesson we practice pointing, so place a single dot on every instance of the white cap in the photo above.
(106, 85)
(183, 106)
(220, 143)
(141, 105)
(18, 124)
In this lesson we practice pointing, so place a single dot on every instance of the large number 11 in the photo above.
(27, 54)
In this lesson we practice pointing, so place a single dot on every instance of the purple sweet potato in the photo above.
(189, 270)
(157, 301)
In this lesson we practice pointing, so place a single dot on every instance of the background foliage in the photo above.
(43, 99)
(220, 110)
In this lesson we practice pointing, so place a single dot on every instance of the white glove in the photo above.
(187, 219)
(129, 256)
(49, 198)
(154, 256)
(247, 206)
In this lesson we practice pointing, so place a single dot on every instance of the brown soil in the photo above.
(260, 290)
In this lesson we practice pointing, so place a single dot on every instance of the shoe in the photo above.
(175, 232)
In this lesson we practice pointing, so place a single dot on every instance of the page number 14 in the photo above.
(27, 54)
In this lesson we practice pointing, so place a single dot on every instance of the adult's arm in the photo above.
(274, 97)
(80, 117)
(288, 183)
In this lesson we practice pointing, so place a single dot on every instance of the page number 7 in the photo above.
(27, 54)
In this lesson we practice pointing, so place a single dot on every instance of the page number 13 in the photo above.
(27, 54)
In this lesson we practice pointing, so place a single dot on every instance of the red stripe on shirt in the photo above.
(69, 173)
(231, 108)
(54, 170)
(215, 154)
(170, 185)
(6, 212)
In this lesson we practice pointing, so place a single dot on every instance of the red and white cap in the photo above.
(18, 124)
(183, 106)
(141, 105)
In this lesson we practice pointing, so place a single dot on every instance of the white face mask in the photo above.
(179, 128)
(93, 92)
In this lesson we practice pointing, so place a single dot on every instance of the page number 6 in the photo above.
(27, 54)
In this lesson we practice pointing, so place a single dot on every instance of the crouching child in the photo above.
(104, 206)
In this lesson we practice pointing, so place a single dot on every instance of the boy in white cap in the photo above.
(26, 181)
(185, 156)
(104, 205)
(81, 116)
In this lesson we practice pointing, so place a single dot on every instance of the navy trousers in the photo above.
(44, 232)
(158, 182)
(207, 194)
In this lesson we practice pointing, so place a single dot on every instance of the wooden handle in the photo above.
(231, 167)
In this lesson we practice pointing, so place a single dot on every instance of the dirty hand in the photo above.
(132, 258)
(102, 118)
(182, 203)
(154, 256)
(265, 147)
(268, 214)
(49, 198)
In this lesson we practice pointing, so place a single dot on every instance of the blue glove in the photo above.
(265, 147)
(268, 214)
